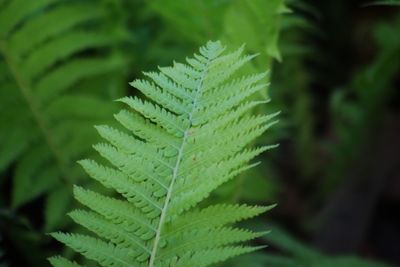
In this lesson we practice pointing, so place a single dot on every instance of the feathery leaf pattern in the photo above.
(187, 136)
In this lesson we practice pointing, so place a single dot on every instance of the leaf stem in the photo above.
(176, 168)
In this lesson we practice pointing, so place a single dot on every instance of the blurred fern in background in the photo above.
(55, 57)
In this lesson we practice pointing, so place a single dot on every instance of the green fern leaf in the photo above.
(41, 64)
(189, 136)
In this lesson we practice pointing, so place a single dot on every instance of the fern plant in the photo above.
(186, 139)
(50, 72)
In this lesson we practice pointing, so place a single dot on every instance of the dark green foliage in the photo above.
(385, 3)
(293, 253)
(362, 105)
(47, 75)
(256, 23)
(297, 254)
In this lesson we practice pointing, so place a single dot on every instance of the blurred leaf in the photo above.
(298, 254)
(68, 44)
(384, 3)
(57, 204)
(281, 239)
(197, 21)
(361, 104)
(257, 23)
(262, 260)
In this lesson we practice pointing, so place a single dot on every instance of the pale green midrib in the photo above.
(176, 168)
(34, 108)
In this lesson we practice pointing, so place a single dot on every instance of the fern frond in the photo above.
(41, 64)
(185, 141)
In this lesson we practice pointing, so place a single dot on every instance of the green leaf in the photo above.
(159, 182)
(40, 81)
